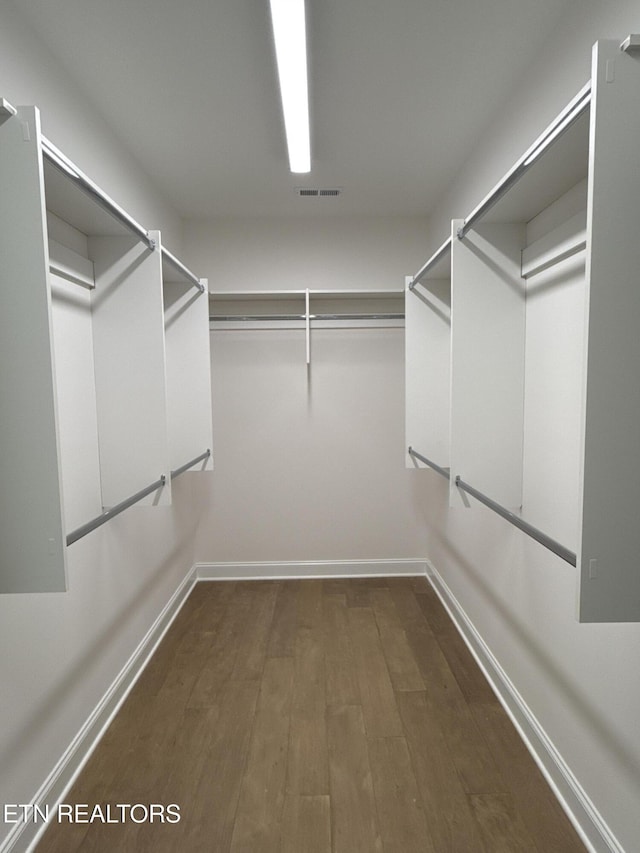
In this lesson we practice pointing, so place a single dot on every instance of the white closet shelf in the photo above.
(110, 381)
(67, 200)
(301, 305)
(487, 260)
(267, 295)
(563, 164)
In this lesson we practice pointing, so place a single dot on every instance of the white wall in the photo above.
(580, 681)
(61, 652)
(309, 466)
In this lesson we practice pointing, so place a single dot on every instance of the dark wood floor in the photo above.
(337, 716)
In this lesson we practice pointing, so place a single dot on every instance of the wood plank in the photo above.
(540, 810)
(258, 819)
(221, 662)
(353, 807)
(341, 674)
(468, 674)
(306, 824)
(310, 603)
(404, 598)
(193, 654)
(500, 824)
(100, 778)
(447, 810)
(469, 752)
(403, 669)
(334, 586)
(403, 826)
(209, 818)
(178, 775)
(358, 590)
(251, 650)
(282, 636)
(307, 771)
(376, 691)
(210, 602)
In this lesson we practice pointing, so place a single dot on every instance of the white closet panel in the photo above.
(186, 324)
(487, 362)
(608, 554)
(32, 528)
(76, 389)
(553, 398)
(427, 370)
(128, 338)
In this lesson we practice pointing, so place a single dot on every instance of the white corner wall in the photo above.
(61, 653)
(309, 465)
(580, 681)
(30, 75)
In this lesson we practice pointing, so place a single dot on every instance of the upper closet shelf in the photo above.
(555, 162)
(307, 305)
(237, 295)
(76, 199)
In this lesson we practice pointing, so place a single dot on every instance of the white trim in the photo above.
(25, 835)
(310, 569)
(586, 819)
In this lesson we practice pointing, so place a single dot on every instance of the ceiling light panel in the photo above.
(289, 32)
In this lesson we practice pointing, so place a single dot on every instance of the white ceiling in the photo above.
(399, 90)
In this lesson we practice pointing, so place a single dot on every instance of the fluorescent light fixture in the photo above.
(289, 33)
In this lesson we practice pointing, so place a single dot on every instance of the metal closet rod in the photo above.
(190, 464)
(58, 159)
(444, 472)
(108, 514)
(437, 256)
(527, 528)
(240, 318)
(562, 123)
(186, 272)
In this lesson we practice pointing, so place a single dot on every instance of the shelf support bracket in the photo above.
(631, 44)
(6, 110)
(307, 322)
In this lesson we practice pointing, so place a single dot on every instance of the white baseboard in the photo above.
(25, 834)
(310, 569)
(588, 822)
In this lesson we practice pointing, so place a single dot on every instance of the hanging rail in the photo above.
(176, 264)
(444, 472)
(527, 528)
(190, 464)
(437, 256)
(108, 514)
(563, 122)
(251, 318)
(58, 159)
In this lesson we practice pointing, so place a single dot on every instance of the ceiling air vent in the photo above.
(313, 192)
